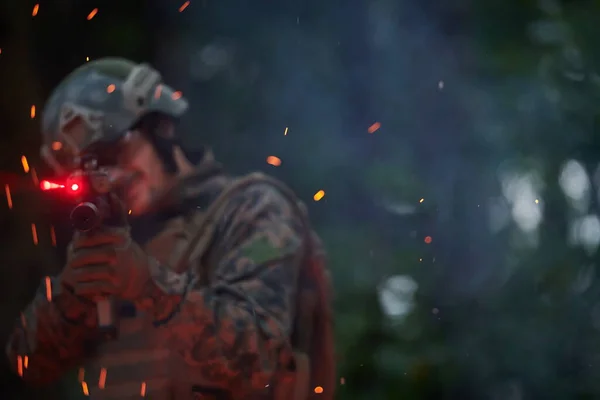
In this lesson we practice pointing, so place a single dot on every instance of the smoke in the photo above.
(326, 72)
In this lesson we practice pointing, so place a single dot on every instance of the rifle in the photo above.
(90, 186)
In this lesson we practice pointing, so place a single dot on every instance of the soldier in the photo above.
(223, 296)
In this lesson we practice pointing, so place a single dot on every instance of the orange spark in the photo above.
(92, 14)
(427, 239)
(25, 164)
(8, 196)
(80, 374)
(85, 388)
(286, 131)
(34, 177)
(25, 362)
(32, 112)
(110, 88)
(176, 96)
(319, 195)
(157, 91)
(102, 379)
(20, 365)
(129, 212)
(48, 289)
(373, 128)
(184, 6)
(34, 234)
(143, 389)
(56, 146)
(53, 236)
(36, 8)
(318, 390)
(274, 161)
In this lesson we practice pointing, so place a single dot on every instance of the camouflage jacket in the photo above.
(220, 334)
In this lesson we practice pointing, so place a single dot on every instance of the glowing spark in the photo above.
(157, 92)
(286, 131)
(53, 236)
(274, 161)
(440, 85)
(81, 374)
(85, 388)
(319, 195)
(373, 128)
(143, 389)
(428, 239)
(110, 88)
(25, 164)
(102, 379)
(34, 177)
(422, 200)
(129, 212)
(48, 283)
(176, 96)
(318, 390)
(87, 59)
(184, 6)
(8, 196)
(92, 14)
(20, 365)
(36, 8)
(32, 112)
(25, 362)
(537, 201)
(46, 185)
(34, 234)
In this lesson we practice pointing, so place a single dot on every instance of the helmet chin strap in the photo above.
(164, 148)
(184, 166)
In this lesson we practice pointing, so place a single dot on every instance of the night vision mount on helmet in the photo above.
(97, 104)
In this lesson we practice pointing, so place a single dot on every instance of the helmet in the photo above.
(97, 104)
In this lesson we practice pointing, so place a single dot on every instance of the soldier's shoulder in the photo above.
(259, 189)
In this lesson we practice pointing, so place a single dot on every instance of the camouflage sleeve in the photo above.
(235, 332)
(48, 338)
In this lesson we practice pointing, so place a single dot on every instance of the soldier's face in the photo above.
(141, 171)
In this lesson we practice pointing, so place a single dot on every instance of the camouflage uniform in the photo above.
(222, 326)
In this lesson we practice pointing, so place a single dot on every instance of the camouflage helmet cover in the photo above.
(98, 103)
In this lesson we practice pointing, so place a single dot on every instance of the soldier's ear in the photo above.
(165, 128)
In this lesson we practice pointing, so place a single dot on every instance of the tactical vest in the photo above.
(137, 364)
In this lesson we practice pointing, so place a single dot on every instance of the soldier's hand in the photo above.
(106, 262)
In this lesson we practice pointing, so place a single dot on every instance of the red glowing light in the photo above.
(428, 239)
(74, 187)
(47, 185)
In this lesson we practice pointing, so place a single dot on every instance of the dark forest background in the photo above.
(457, 144)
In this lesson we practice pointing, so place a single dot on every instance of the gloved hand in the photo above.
(106, 262)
